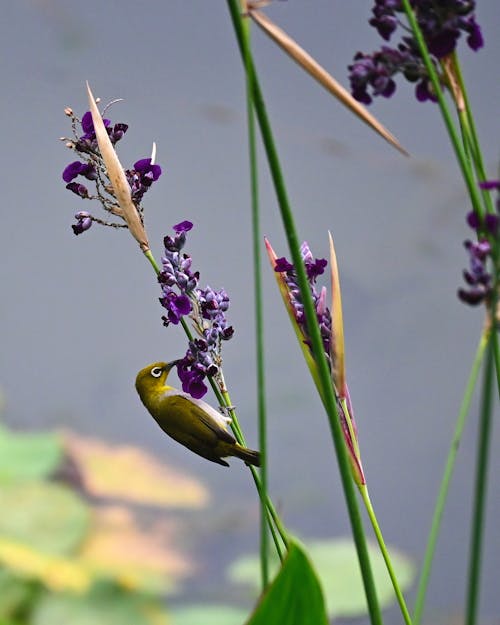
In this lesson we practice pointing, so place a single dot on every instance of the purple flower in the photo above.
(442, 24)
(79, 169)
(282, 265)
(142, 177)
(84, 221)
(192, 381)
(177, 306)
(183, 226)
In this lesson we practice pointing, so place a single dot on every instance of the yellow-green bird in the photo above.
(191, 422)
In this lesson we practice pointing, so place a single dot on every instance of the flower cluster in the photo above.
(441, 23)
(181, 297)
(314, 268)
(91, 168)
(478, 277)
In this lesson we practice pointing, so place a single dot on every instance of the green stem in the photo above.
(478, 158)
(445, 481)
(312, 324)
(479, 505)
(385, 554)
(259, 319)
(151, 258)
(450, 127)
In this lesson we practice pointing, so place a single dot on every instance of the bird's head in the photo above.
(153, 376)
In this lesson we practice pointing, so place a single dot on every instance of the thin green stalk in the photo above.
(152, 260)
(480, 490)
(447, 118)
(259, 319)
(385, 554)
(478, 157)
(312, 325)
(445, 481)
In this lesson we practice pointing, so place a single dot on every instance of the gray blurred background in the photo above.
(80, 316)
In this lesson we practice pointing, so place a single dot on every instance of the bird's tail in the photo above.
(247, 455)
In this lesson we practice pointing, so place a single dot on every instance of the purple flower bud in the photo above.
(488, 185)
(473, 220)
(491, 223)
(79, 189)
(183, 226)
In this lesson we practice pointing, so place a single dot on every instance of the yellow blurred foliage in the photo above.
(131, 474)
(56, 573)
(135, 559)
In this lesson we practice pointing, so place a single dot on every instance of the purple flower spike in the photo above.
(206, 308)
(93, 167)
(442, 24)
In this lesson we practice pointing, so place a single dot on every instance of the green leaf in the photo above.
(103, 608)
(337, 565)
(28, 455)
(45, 516)
(14, 593)
(295, 596)
(208, 615)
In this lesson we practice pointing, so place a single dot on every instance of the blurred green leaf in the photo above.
(208, 615)
(337, 565)
(295, 596)
(14, 592)
(43, 515)
(101, 607)
(28, 455)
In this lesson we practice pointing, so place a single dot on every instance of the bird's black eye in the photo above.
(156, 372)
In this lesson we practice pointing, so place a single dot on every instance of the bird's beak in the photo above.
(170, 365)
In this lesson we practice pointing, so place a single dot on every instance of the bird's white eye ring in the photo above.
(156, 372)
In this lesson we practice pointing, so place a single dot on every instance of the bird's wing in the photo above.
(203, 423)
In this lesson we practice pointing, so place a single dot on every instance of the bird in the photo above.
(191, 422)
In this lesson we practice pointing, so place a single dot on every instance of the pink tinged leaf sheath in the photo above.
(338, 371)
(337, 342)
(312, 67)
(117, 177)
(350, 431)
(301, 337)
